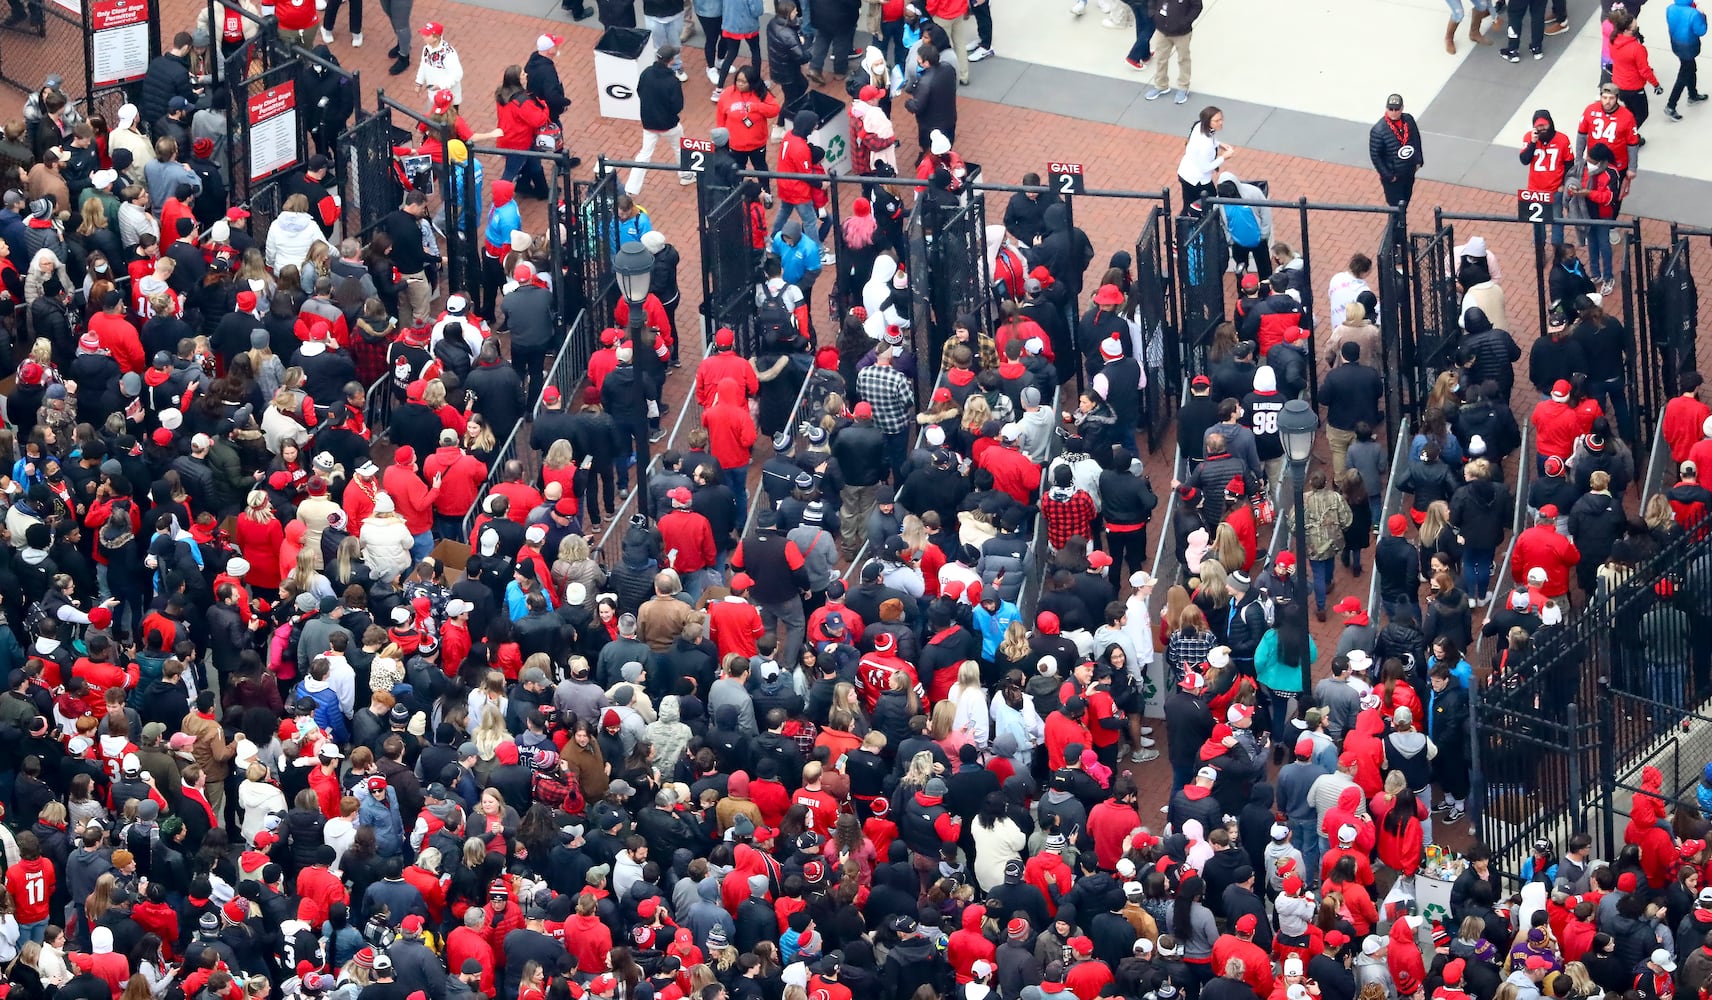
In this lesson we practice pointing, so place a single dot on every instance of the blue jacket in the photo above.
(797, 261)
(742, 17)
(1273, 674)
(1686, 27)
(328, 715)
(1243, 225)
(992, 626)
(502, 220)
(388, 825)
(1463, 673)
(630, 230)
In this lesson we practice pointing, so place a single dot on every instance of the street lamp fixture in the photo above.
(1297, 425)
(634, 266)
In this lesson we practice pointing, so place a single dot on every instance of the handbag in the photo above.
(550, 138)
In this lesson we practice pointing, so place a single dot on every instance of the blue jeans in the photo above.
(665, 31)
(1476, 571)
(738, 480)
(1323, 569)
(526, 170)
(804, 211)
(1142, 50)
(1281, 714)
(1181, 776)
(1669, 682)
(1598, 241)
(422, 546)
(891, 44)
(37, 932)
(1611, 395)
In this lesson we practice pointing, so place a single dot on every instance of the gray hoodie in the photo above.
(667, 734)
(820, 555)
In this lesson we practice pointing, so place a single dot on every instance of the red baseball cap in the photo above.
(1245, 924)
(550, 395)
(862, 411)
(723, 337)
(433, 28)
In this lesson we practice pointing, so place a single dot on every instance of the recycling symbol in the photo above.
(835, 150)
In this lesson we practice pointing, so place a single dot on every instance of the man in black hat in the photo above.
(1394, 144)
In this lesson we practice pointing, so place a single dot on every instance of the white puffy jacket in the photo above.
(386, 546)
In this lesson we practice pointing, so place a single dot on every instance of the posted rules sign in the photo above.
(120, 48)
(273, 131)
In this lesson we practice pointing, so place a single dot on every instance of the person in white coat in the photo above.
(1203, 156)
(257, 796)
(292, 234)
(1017, 728)
(386, 540)
(998, 842)
(877, 298)
(972, 717)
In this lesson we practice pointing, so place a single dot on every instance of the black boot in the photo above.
(398, 66)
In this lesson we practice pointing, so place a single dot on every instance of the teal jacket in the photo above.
(1273, 674)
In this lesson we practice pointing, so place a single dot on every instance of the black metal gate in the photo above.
(371, 187)
(921, 306)
(1437, 313)
(1202, 252)
(956, 276)
(1673, 308)
(266, 121)
(1396, 331)
(597, 233)
(1164, 349)
(728, 263)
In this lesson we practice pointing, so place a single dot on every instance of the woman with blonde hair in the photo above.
(1230, 550)
(292, 234)
(559, 465)
(1189, 644)
(97, 234)
(317, 264)
(1013, 650)
(942, 727)
(306, 578)
(576, 565)
(970, 698)
(386, 540)
(258, 797)
(1213, 595)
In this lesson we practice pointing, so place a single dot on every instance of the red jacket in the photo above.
(462, 480)
(317, 890)
(119, 337)
(736, 106)
(522, 498)
(1012, 472)
(1543, 547)
(1402, 852)
(260, 542)
(1256, 965)
(411, 496)
(100, 677)
(1045, 870)
(465, 943)
(519, 119)
(733, 624)
(1629, 66)
(721, 366)
(1684, 418)
(31, 884)
(1110, 824)
(1556, 426)
(730, 430)
(689, 535)
(1061, 730)
(795, 158)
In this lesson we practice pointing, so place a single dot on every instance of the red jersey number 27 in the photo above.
(1545, 160)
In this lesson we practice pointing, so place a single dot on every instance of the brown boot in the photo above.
(1474, 34)
(1450, 38)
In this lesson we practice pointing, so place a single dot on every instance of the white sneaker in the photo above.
(1079, 7)
(712, 75)
(357, 40)
(681, 75)
(1142, 758)
(326, 37)
(1107, 22)
(1147, 743)
(974, 44)
(1147, 730)
(686, 179)
(828, 258)
(978, 54)
(1152, 93)
(778, 133)
(714, 97)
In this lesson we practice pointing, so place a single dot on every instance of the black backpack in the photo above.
(775, 323)
(454, 355)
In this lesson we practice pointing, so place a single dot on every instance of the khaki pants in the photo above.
(1163, 46)
(303, 39)
(420, 294)
(958, 32)
(855, 504)
(1340, 442)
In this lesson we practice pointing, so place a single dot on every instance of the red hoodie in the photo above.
(730, 429)
(413, 498)
(1044, 870)
(967, 946)
(1684, 419)
(463, 477)
(1110, 823)
(317, 890)
(1349, 800)
(119, 337)
(771, 797)
(1403, 959)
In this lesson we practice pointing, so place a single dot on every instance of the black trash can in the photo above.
(831, 130)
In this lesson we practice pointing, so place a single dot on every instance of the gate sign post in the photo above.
(1067, 178)
(693, 154)
(1534, 206)
(120, 44)
(273, 132)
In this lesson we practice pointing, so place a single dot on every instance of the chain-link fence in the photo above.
(370, 183)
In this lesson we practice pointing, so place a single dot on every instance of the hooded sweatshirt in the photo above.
(1548, 159)
(502, 221)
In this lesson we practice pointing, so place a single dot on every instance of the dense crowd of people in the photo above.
(268, 731)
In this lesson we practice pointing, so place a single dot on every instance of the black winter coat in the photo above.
(168, 76)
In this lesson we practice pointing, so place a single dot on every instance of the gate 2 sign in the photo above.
(1534, 206)
(1067, 178)
(693, 154)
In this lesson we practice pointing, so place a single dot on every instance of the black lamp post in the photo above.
(1297, 425)
(634, 266)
